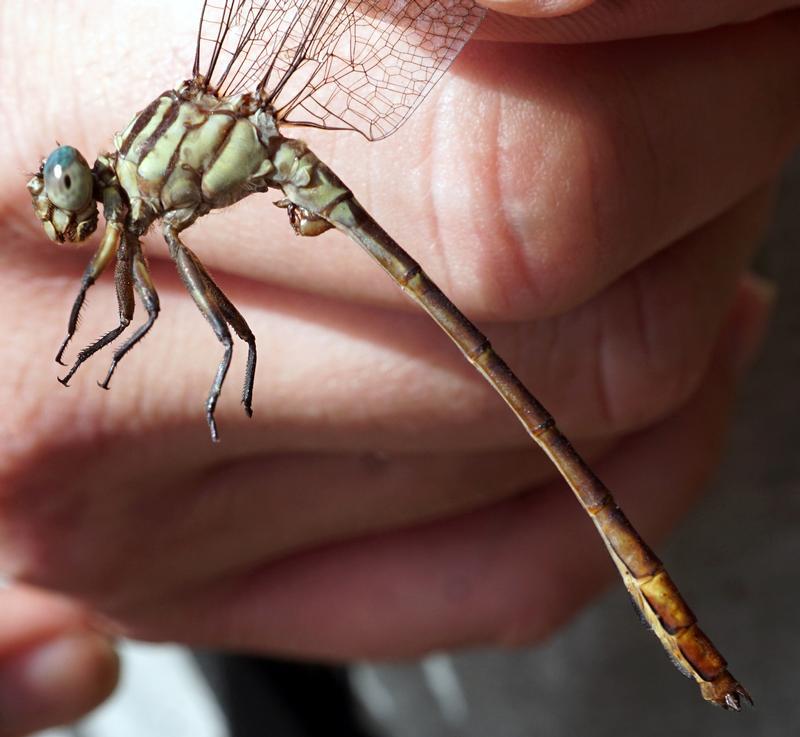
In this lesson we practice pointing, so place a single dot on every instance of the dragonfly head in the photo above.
(63, 196)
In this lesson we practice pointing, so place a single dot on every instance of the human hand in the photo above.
(593, 208)
(54, 667)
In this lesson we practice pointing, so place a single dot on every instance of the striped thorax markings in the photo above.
(148, 145)
(125, 140)
(178, 152)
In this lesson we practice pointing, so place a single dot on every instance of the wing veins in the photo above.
(362, 65)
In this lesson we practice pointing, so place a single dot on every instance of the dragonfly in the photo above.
(358, 65)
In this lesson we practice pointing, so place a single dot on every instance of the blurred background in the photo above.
(734, 558)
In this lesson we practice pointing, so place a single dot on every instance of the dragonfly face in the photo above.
(63, 196)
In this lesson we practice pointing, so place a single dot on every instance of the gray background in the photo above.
(735, 559)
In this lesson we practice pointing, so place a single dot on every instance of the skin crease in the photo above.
(597, 227)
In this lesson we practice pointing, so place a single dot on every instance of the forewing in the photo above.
(363, 65)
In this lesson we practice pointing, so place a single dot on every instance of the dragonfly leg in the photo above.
(147, 293)
(125, 304)
(105, 251)
(234, 318)
(220, 312)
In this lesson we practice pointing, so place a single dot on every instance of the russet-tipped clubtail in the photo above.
(361, 65)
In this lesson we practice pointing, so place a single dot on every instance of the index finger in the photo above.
(583, 21)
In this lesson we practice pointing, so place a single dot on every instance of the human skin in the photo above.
(592, 207)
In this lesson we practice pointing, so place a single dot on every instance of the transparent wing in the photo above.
(362, 65)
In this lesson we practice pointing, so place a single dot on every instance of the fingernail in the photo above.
(543, 8)
(750, 319)
(56, 683)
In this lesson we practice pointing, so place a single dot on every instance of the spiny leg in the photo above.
(206, 303)
(204, 293)
(149, 296)
(125, 304)
(241, 328)
(107, 248)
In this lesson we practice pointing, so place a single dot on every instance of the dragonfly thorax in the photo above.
(192, 151)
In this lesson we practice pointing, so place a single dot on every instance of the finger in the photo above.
(336, 377)
(546, 174)
(532, 177)
(648, 341)
(53, 669)
(213, 522)
(658, 326)
(584, 21)
(510, 573)
(29, 617)
(57, 683)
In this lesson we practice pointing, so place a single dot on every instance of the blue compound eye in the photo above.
(68, 179)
